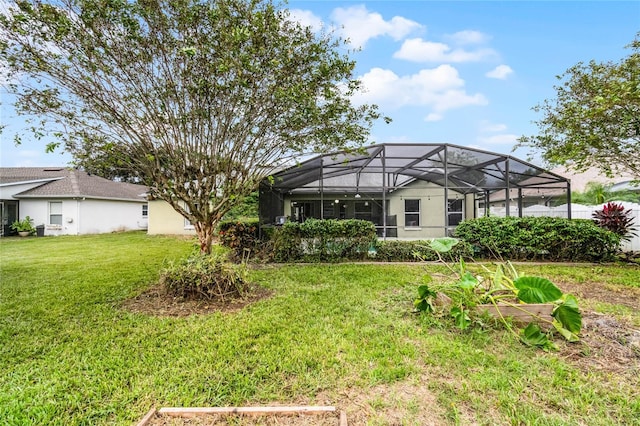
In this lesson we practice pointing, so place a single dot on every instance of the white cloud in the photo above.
(502, 139)
(468, 37)
(28, 153)
(487, 127)
(419, 50)
(433, 117)
(439, 89)
(358, 25)
(306, 18)
(501, 72)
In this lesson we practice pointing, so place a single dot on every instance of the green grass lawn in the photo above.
(70, 354)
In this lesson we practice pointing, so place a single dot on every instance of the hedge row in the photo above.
(538, 238)
(508, 238)
(323, 240)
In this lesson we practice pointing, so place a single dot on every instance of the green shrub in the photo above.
(202, 276)
(323, 240)
(242, 237)
(538, 238)
(414, 251)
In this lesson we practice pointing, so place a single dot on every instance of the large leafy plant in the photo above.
(24, 225)
(461, 295)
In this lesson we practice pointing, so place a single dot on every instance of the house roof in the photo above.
(390, 166)
(10, 175)
(60, 182)
(579, 180)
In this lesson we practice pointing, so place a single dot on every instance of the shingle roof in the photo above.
(26, 174)
(64, 183)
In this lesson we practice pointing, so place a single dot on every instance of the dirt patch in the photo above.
(395, 404)
(155, 301)
(624, 296)
(606, 344)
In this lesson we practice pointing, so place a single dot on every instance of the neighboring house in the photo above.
(163, 219)
(70, 202)
(579, 180)
(554, 196)
(409, 191)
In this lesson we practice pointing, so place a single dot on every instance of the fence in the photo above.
(578, 211)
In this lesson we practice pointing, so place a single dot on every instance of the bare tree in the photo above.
(199, 99)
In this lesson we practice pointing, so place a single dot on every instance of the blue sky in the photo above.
(466, 73)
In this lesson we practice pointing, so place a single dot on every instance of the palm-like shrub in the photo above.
(615, 218)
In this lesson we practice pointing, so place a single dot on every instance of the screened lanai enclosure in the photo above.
(410, 191)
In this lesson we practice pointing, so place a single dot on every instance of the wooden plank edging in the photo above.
(186, 411)
(147, 417)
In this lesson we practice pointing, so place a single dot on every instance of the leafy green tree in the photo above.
(597, 193)
(199, 99)
(595, 118)
(247, 208)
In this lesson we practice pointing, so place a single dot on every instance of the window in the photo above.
(363, 210)
(455, 211)
(145, 210)
(55, 212)
(328, 210)
(187, 223)
(411, 213)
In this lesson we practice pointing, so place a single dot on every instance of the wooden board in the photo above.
(194, 411)
(522, 313)
(191, 412)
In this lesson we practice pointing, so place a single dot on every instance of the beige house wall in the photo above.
(432, 207)
(163, 219)
(469, 206)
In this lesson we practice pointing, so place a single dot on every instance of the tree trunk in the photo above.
(205, 236)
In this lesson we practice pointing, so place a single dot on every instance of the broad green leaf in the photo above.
(444, 244)
(423, 305)
(424, 302)
(498, 276)
(468, 281)
(460, 317)
(571, 337)
(568, 315)
(533, 336)
(424, 291)
(536, 290)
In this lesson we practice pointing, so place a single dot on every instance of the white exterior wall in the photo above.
(8, 190)
(38, 210)
(99, 216)
(86, 216)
